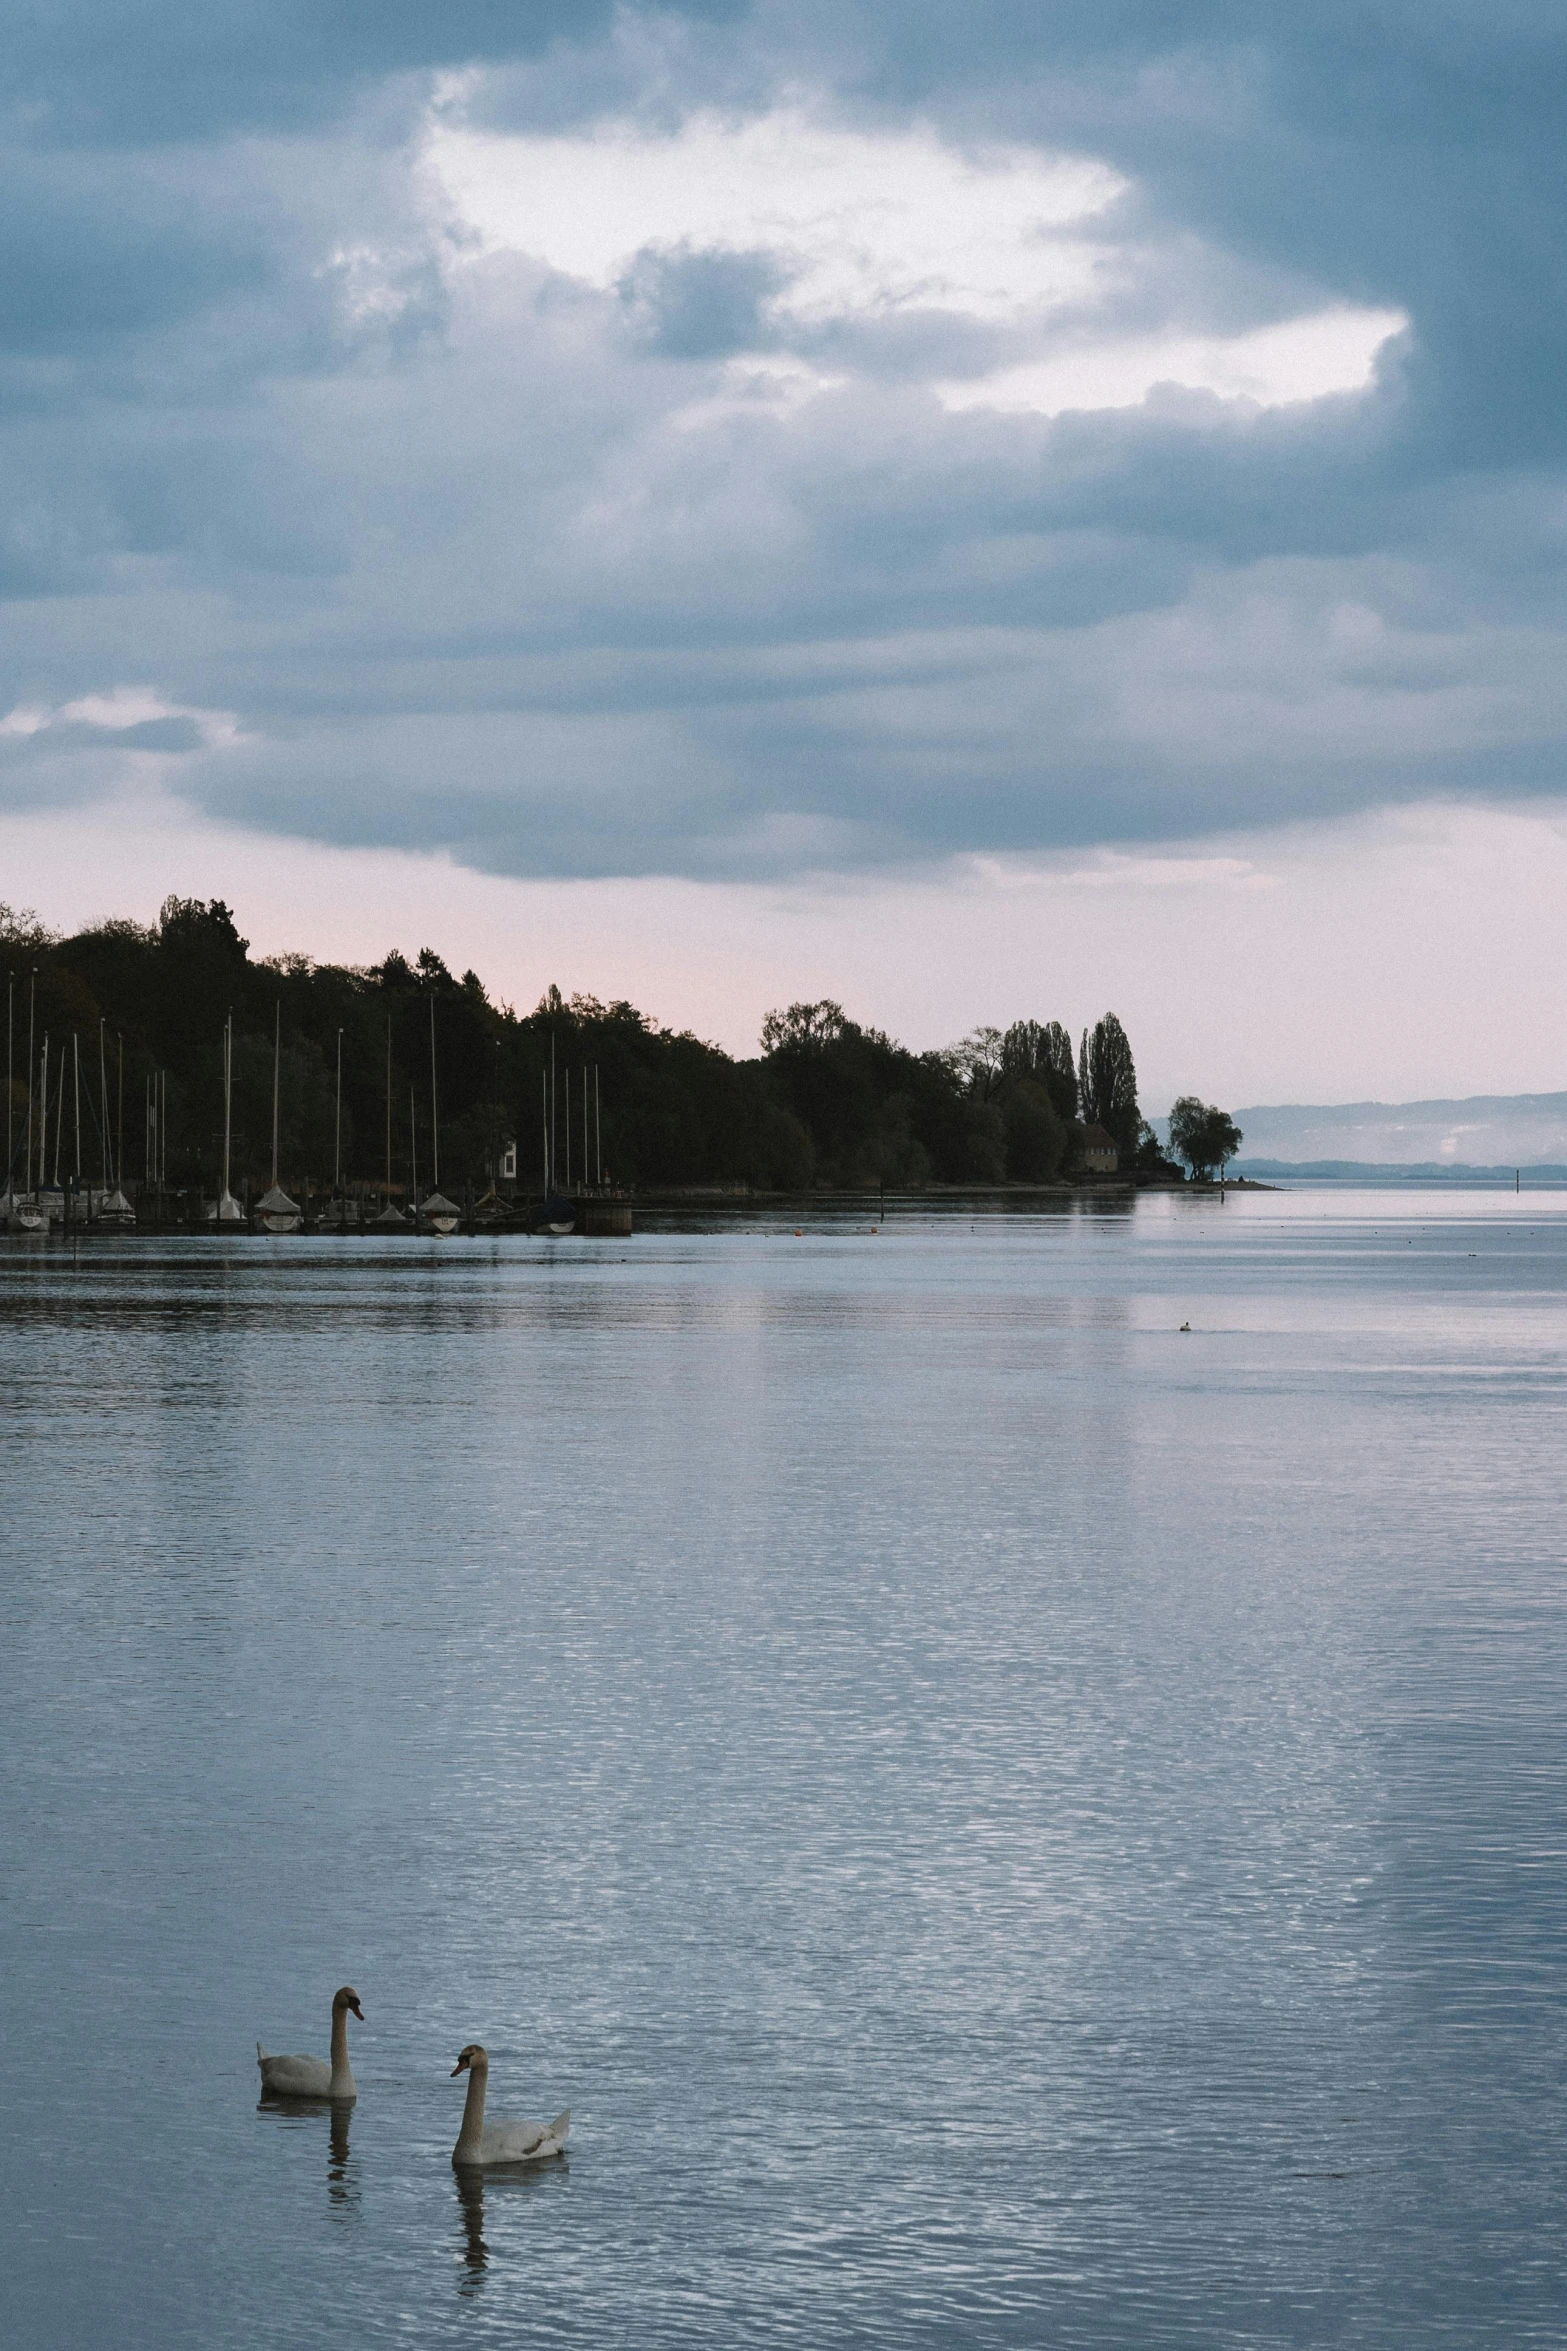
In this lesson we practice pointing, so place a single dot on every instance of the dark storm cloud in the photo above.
(480, 555)
(1407, 155)
(126, 72)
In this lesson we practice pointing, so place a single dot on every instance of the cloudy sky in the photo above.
(1014, 507)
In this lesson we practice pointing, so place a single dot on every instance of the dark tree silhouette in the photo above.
(827, 1101)
(1107, 1084)
(1204, 1136)
(803, 1026)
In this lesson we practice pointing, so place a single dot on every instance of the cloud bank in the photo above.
(740, 441)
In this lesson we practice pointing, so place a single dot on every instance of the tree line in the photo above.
(827, 1103)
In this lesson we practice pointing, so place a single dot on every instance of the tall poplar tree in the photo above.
(1107, 1083)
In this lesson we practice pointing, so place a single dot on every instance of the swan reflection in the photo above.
(342, 2176)
(503, 2187)
(476, 2253)
(342, 2172)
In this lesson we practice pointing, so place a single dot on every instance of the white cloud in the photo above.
(1297, 359)
(874, 221)
(122, 707)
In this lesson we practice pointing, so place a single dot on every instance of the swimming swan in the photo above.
(503, 2142)
(312, 2077)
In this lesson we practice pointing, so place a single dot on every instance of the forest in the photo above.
(137, 1012)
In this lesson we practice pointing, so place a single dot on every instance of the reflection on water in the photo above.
(470, 2198)
(342, 2173)
(342, 2176)
(510, 2192)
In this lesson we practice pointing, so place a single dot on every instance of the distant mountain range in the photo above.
(1391, 1171)
(1485, 1134)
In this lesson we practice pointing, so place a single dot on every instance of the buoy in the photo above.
(1186, 1326)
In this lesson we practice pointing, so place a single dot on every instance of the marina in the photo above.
(56, 1197)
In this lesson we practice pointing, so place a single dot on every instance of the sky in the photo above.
(1015, 509)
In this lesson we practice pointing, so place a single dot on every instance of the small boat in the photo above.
(440, 1214)
(277, 1213)
(20, 1213)
(225, 1210)
(558, 1215)
(115, 1209)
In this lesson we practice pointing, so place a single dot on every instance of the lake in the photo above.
(1005, 1821)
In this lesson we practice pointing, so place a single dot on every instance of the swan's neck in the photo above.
(342, 2085)
(472, 2131)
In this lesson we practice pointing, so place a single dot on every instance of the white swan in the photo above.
(313, 2077)
(503, 2142)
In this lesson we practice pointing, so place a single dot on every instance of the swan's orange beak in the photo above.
(358, 2011)
(460, 2067)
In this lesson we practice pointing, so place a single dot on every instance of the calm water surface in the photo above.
(1007, 1824)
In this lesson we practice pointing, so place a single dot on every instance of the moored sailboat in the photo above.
(226, 1209)
(435, 1212)
(557, 1212)
(340, 1213)
(275, 1211)
(389, 1216)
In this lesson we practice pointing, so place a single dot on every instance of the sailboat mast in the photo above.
(552, 1109)
(337, 1148)
(598, 1132)
(568, 1126)
(119, 1124)
(103, 1096)
(435, 1125)
(10, 1137)
(587, 1148)
(32, 990)
(389, 1110)
(277, 1049)
(228, 1104)
(413, 1150)
(544, 1117)
(43, 1118)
